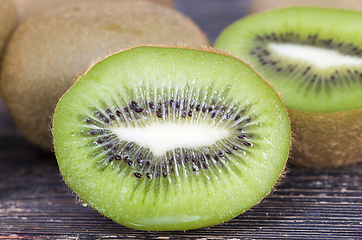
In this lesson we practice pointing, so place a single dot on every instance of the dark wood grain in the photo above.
(308, 204)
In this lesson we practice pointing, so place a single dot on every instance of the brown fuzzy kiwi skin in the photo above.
(8, 22)
(266, 5)
(29, 8)
(13, 12)
(47, 53)
(323, 140)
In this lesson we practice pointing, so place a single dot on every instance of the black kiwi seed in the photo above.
(137, 175)
(247, 144)
(241, 136)
(183, 114)
(138, 109)
(118, 112)
(159, 114)
(152, 106)
(110, 114)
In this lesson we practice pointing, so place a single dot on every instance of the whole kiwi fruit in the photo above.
(266, 5)
(47, 53)
(165, 138)
(313, 57)
(8, 22)
(14, 12)
(29, 8)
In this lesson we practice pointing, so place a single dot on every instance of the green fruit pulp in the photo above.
(186, 198)
(302, 85)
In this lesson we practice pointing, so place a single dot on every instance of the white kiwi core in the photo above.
(162, 137)
(320, 57)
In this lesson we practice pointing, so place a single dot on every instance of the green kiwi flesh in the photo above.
(317, 69)
(307, 84)
(265, 5)
(124, 137)
(47, 53)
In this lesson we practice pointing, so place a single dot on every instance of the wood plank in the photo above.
(308, 203)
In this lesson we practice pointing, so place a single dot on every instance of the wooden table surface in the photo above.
(308, 204)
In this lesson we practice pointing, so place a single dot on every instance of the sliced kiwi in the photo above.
(313, 57)
(47, 53)
(160, 138)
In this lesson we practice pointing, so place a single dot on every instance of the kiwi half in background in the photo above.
(162, 138)
(47, 53)
(313, 57)
(266, 5)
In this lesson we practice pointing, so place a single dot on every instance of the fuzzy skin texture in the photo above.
(47, 53)
(29, 8)
(14, 12)
(326, 139)
(266, 5)
(8, 22)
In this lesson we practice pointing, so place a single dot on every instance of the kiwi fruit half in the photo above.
(313, 57)
(163, 138)
(266, 5)
(47, 53)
